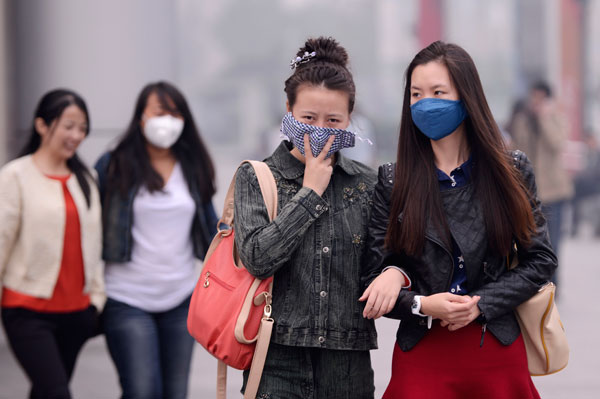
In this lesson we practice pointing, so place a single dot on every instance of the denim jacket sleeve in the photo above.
(211, 218)
(101, 167)
(263, 246)
(537, 262)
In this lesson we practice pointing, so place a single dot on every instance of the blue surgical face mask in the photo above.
(436, 118)
(318, 136)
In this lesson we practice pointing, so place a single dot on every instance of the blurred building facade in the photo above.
(230, 58)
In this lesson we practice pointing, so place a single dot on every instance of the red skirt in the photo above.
(452, 365)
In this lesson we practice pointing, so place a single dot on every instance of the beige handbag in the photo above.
(543, 332)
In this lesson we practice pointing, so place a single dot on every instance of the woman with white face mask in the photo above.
(156, 187)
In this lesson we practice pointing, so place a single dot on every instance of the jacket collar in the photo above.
(291, 168)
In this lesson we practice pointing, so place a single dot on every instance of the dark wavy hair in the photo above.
(499, 186)
(130, 164)
(329, 67)
(50, 109)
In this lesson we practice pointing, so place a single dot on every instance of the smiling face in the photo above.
(432, 80)
(62, 137)
(322, 107)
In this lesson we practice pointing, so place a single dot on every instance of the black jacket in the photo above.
(501, 290)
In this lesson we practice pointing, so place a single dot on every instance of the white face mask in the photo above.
(163, 131)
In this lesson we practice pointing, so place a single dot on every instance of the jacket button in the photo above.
(318, 207)
(323, 294)
(325, 249)
(422, 322)
(321, 339)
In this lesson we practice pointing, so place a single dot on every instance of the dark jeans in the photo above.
(46, 345)
(152, 351)
(553, 212)
(293, 372)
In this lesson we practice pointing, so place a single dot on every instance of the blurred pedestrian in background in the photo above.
(587, 187)
(320, 344)
(50, 242)
(539, 129)
(156, 188)
(444, 220)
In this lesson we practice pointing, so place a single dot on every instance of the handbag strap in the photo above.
(256, 368)
(258, 360)
(268, 188)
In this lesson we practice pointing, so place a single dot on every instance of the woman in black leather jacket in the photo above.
(445, 218)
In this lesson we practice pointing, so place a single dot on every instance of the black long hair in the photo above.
(329, 67)
(130, 164)
(498, 185)
(50, 109)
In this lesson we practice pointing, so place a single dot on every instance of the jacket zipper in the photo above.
(483, 330)
(439, 243)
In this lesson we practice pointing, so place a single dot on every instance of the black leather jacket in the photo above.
(501, 290)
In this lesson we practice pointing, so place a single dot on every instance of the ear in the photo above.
(40, 127)
(287, 106)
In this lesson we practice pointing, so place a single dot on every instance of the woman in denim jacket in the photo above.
(320, 344)
(156, 188)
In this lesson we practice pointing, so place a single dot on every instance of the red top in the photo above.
(68, 293)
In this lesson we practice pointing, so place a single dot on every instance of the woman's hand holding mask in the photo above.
(318, 170)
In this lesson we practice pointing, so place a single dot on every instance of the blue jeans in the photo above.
(553, 211)
(152, 351)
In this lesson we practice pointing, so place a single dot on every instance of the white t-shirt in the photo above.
(161, 272)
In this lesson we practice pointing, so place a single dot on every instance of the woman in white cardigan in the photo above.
(50, 241)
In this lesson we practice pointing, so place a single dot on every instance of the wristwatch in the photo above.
(416, 306)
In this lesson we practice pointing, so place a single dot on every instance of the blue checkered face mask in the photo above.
(318, 136)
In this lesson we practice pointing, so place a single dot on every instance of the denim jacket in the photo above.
(313, 248)
(118, 219)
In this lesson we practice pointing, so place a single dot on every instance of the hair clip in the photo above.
(302, 60)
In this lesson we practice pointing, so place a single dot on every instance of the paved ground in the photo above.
(95, 376)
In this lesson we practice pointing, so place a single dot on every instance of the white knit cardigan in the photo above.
(32, 227)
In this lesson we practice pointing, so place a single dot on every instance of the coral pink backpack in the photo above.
(230, 310)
